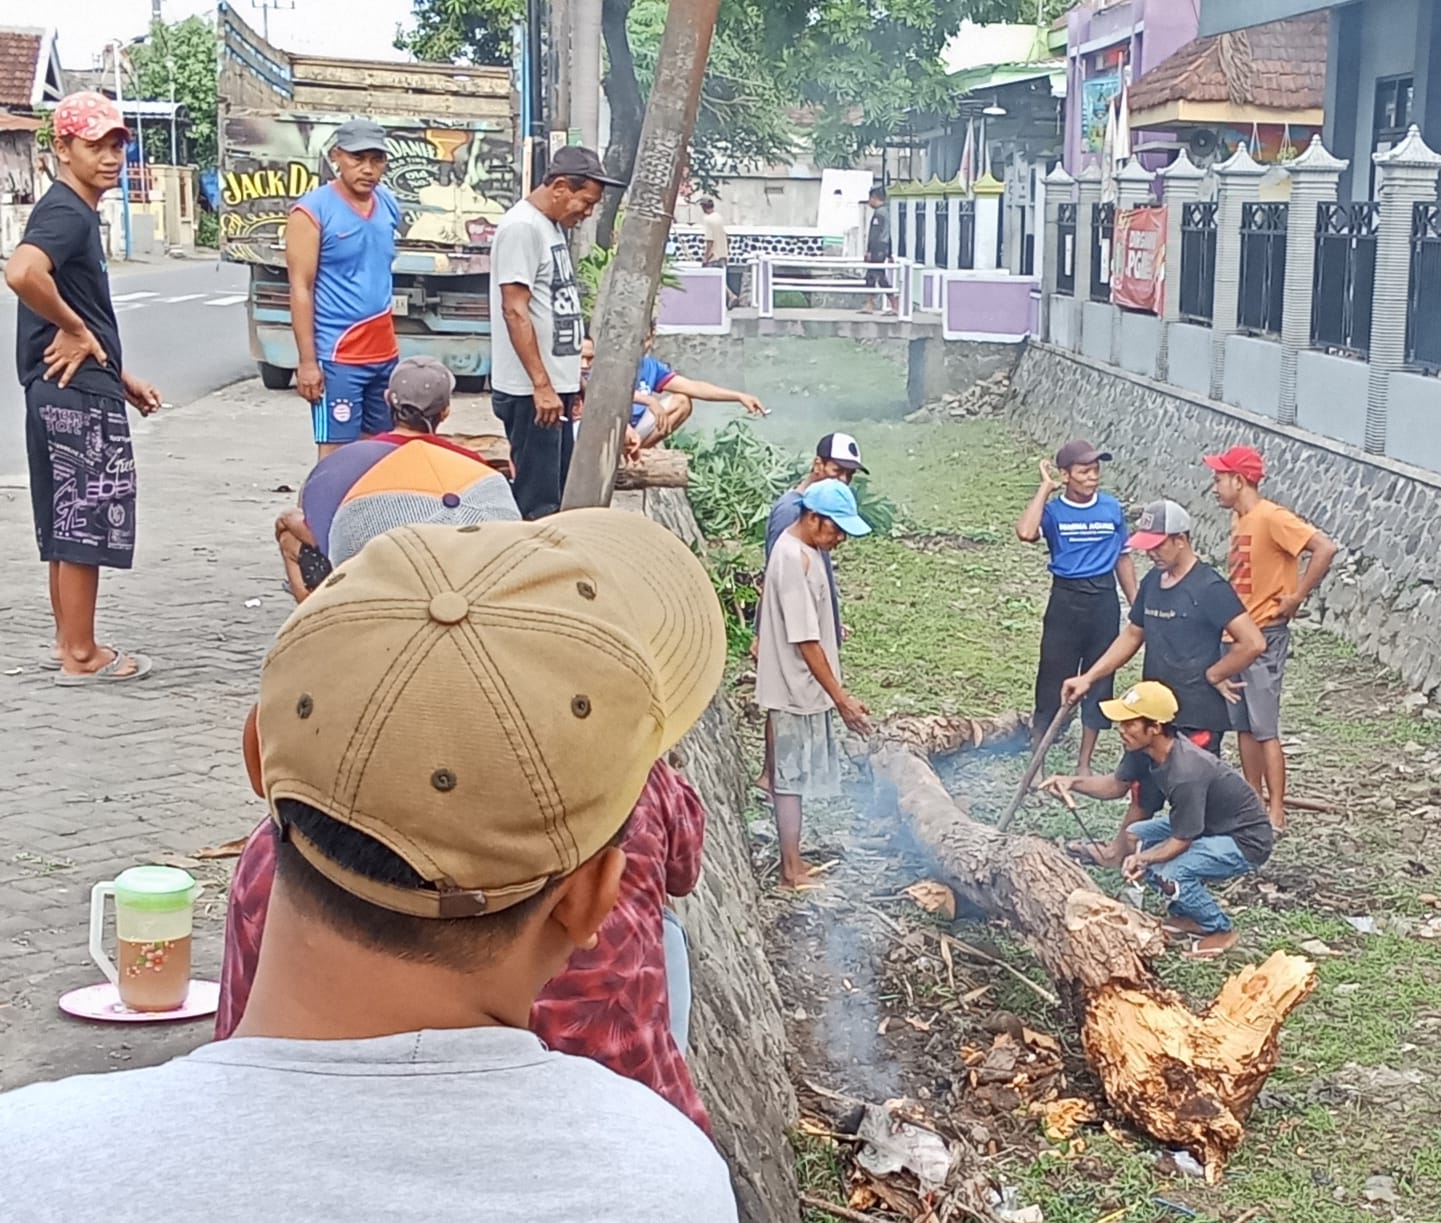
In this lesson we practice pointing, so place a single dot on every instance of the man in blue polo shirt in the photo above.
(664, 399)
(339, 248)
(1085, 531)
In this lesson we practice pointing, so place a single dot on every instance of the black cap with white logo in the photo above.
(842, 450)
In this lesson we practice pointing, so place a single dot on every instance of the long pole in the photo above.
(560, 63)
(623, 318)
(535, 85)
(117, 46)
(585, 64)
(174, 154)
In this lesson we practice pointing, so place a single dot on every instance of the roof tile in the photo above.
(19, 54)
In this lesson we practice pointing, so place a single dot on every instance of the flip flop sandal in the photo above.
(108, 673)
(1195, 952)
(51, 663)
(1080, 851)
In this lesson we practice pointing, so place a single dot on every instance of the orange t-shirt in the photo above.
(1266, 547)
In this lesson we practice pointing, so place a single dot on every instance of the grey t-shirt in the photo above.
(785, 514)
(1208, 797)
(479, 1123)
(529, 249)
(795, 608)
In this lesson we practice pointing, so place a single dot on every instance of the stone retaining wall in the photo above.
(1382, 591)
(738, 1041)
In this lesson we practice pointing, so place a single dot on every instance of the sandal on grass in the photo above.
(110, 673)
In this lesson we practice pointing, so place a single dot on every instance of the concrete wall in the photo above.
(738, 1041)
(1140, 342)
(763, 201)
(1096, 322)
(1253, 374)
(1413, 432)
(1065, 316)
(1190, 358)
(1382, 595)
(1331, 396)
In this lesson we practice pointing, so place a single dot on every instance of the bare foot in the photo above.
(1213, 946)
(103, 657)
(797, 875)
(1278, 819)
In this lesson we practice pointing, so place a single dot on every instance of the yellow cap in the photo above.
(487, 701)
(1148, 699)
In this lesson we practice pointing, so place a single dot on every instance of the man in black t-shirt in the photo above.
(878, 249)
(1216, 828)
(77, 437)
(1182, 609)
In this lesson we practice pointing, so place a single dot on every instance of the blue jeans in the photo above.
(677, 977)
(1207, 858)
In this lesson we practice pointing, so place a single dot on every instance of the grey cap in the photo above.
(1157, 523)
(360, 136)
(422, 384)
(574, 161)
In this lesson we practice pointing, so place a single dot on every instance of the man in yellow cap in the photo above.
(1216, 827)
(448, 805)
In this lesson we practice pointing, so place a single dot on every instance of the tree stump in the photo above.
(1187, 1079)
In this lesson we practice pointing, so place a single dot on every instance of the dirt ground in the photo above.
(881, 1005)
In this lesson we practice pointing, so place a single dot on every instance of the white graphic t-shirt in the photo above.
(529, 248)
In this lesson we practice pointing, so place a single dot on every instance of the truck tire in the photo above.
(274, 378)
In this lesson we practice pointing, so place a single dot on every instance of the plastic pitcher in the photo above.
(154, 909)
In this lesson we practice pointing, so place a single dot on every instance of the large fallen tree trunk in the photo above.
(1187, 1079)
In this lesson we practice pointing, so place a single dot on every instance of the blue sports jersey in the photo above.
(353, 286)
(650, 379)
(1087, 540)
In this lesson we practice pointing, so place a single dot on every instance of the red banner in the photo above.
(1138, 260)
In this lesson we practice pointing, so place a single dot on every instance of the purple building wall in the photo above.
(1145, 32)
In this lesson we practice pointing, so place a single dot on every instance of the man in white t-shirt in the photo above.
(448, 804)
(798, 665)
(716, 253)
(536, 327)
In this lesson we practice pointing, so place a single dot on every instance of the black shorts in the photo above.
(876, 278)
(82, 476)
(1082, 619)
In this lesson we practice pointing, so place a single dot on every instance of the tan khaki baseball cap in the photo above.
(487, 701)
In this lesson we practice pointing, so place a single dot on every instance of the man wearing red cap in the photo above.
(1267, 543)
(77, 436)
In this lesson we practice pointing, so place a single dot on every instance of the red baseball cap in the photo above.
(90, 116)
(1239, 461)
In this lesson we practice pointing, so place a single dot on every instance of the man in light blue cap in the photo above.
(798, 666)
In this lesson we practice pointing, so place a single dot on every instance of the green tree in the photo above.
(185, 55)
(462, 31)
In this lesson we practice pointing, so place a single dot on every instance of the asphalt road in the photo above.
(183, 328)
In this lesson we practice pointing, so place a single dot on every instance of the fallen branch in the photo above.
(839, 1212)
(1186, 1079)
(655, 469)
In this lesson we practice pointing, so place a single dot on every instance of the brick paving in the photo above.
(95, 780)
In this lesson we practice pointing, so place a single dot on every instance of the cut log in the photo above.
(655, 469)
(1187, 1079)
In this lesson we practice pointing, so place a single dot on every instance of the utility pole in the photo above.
(538, 130)
(624, 313)
(560, 61)
(585, 66)
(117, 46)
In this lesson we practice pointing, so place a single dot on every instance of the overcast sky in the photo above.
(361, 29)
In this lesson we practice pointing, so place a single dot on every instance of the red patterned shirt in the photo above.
(610, 1003)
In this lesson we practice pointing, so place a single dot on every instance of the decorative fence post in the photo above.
(1088, 195)
(1183, 180)
(988, 192)
(1315, 177)
(1059, 185)
(1133, 190)
(1238, 182)
(1405, 177)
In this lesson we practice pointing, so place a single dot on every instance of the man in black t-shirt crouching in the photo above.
(1216, 828)
(77, 436)
(1181, 612)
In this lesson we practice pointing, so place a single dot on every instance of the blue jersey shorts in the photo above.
(353, 404)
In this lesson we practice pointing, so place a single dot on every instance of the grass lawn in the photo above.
(945, 617)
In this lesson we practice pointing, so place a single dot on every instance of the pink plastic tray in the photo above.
(102, 1003)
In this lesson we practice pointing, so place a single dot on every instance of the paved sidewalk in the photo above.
(95, 780)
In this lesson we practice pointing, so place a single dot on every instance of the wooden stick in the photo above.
(655, 469)
(1038, 757)
(1313, 804)
(840, 1212)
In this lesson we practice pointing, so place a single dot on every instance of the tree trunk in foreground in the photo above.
(1186, 1079)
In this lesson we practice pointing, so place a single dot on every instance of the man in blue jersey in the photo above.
(665, 399)
(1085, 531)
(339, 247)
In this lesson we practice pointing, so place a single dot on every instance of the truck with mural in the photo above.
(452, 141)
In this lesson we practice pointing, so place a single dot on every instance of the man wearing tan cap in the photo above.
(448, 805)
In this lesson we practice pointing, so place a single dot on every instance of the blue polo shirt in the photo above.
(650, 379)
(1085, 540)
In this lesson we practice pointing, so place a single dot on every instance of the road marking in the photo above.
(233, 300)
(132, 297)
(183, 297)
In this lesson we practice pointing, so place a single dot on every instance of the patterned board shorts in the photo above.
(82, 476)
(807, 756)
